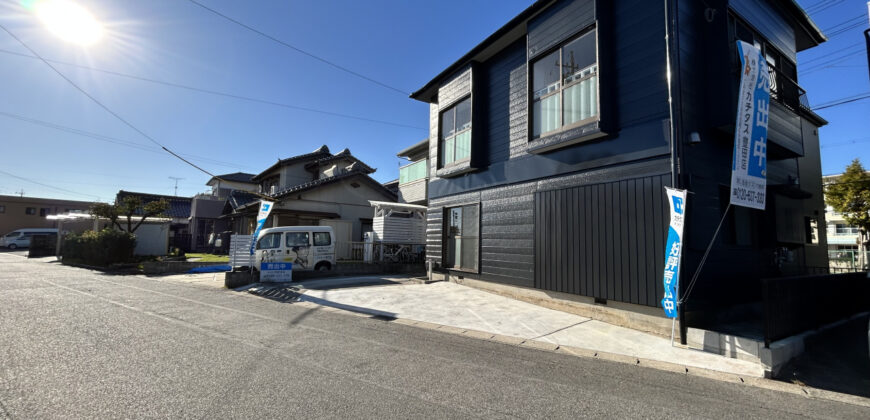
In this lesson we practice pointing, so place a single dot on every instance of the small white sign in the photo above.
(276, 272)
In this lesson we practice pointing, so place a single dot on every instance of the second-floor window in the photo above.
(455, 137)
(413, 172)
(565, 86)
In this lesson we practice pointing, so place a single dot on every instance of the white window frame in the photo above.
(559, 87)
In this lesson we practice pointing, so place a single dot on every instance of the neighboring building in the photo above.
(178, 211)
(30, 212)
(206, 209)
(550, 145)
(845, 249)
(317, 188)
(414, 177)
(393, 186)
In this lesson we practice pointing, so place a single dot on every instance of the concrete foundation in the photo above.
(637, 317)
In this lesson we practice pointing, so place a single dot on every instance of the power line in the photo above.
(218, 93)
(854, 18)
(299, 50)
(48, 186)
(823, 7)
(113, 140)
(842, 101)
(101, 105)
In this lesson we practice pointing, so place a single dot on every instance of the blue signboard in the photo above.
(673, 250)
(265, 209)
(276, 272)
(749, 159)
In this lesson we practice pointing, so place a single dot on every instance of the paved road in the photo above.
(74, 343)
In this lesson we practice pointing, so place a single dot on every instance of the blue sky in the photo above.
(400, 43)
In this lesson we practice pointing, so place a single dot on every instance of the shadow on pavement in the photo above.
(836, 360)
(291, 294)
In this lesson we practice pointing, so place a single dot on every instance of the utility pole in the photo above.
(176, 183)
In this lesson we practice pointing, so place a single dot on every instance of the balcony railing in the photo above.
(786, 91)
(843, 231)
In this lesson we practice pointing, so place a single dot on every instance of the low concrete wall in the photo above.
(174, 267)
(359, 269)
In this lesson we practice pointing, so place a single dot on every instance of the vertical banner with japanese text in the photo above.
(265, 209)
(749, 163)
(673, 250)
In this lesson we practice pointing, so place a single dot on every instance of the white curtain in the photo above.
(581, 100)
(545, 115)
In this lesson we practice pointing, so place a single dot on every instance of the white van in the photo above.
(307, 247)
(21, 238)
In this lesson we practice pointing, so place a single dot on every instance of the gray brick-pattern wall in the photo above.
(450, 91)
(519, 113)
(413, 192)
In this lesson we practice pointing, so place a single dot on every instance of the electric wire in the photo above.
(842, 101)
(218, 93)
(113, 140)
(299, 50)
(48, 186)
(113, 113)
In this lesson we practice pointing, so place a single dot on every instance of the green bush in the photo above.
(102, 248)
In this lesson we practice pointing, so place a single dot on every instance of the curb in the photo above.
(755, 381)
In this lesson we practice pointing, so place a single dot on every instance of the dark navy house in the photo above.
(551, 142)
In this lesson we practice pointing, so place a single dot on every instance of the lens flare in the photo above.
(69, 21)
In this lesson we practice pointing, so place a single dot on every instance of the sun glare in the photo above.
(69, 21)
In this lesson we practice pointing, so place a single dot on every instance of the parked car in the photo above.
(307, 247)
(21, 238)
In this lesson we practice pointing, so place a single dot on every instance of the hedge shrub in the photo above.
(102, 248)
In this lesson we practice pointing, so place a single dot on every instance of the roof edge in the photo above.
(424, 93)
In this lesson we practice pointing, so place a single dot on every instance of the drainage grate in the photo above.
(280, 294)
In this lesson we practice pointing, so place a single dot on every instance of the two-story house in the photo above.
(414, 176)
(317, 188)
(206, 209)
(551, 141)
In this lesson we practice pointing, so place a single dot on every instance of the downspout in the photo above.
(671, 12)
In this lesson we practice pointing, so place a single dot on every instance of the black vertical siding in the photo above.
(558, 22)
(603, 240)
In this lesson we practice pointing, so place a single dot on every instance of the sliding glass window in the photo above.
(565, 86)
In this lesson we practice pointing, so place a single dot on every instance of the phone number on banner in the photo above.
(748, 196)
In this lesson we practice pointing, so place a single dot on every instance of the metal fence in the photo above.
(848, 260)
(793, 305)
(379, 252)
(345, 252)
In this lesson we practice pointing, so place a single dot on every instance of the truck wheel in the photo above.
(323, 266)
(12, 246)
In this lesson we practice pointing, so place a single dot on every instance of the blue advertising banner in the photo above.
(265, 209)
(673, 250)
(749, 161)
